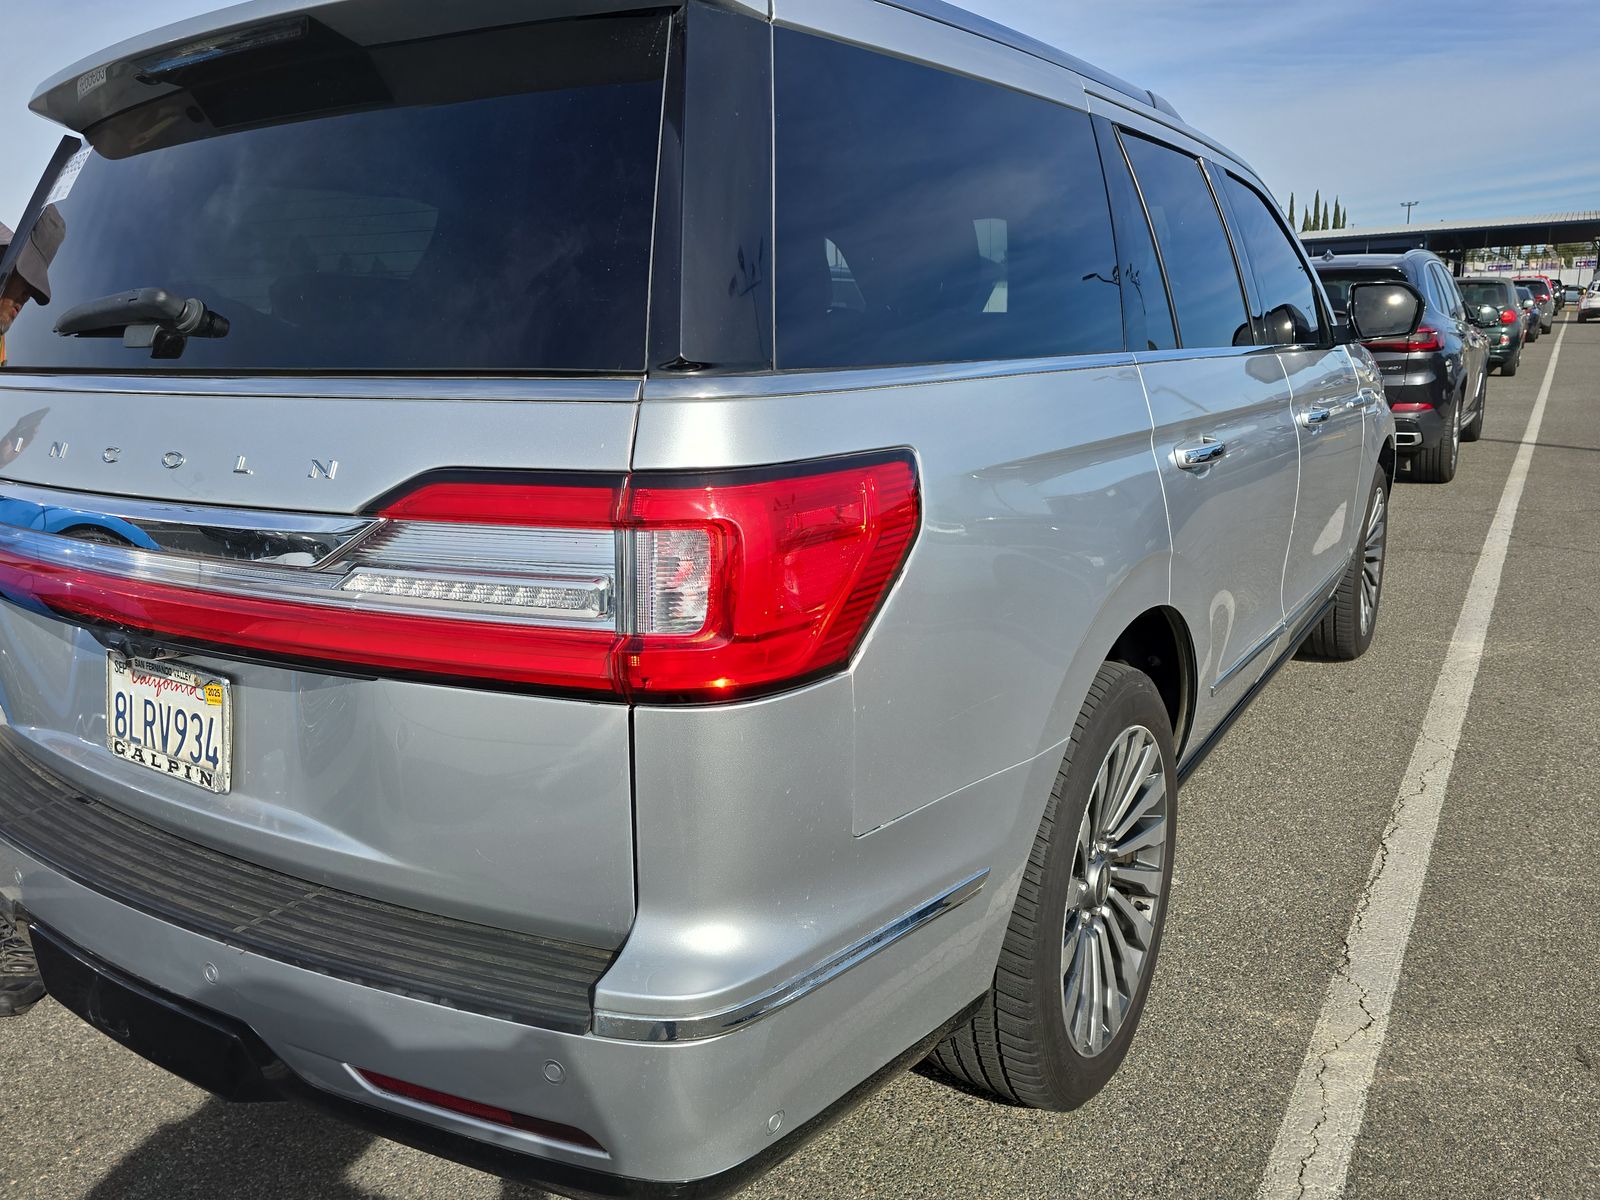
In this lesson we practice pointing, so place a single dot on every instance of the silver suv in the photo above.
(577, 591)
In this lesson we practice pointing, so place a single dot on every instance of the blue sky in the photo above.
(1470, 107)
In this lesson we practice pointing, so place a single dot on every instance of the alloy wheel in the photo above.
(1118, 885)
(1372, 548)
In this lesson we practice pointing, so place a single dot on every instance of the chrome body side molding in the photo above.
(637, 1027)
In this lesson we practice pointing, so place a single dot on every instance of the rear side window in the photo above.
(1194, 245)
(487, 207)
(926, 217)
(1288, 298)
(1448, 291)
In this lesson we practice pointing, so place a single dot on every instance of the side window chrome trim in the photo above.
(853, 379)
(1192, 352)
(606, 390)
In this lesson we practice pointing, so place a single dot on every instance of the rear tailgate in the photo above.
(228, 612)
(456, 798)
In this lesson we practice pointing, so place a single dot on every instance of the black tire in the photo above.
(1342, 634)
(1473, 429)
(1017, 1047)
(1436, 463)
(1533, 333)
(1509, 367)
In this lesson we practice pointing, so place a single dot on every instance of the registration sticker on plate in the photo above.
(169, 719)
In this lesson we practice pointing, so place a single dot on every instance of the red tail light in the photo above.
(1425, 338)
(493, 1114)
(1508, 316)
(654, 587)
(1411, 406)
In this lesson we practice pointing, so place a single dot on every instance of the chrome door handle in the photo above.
(1312, 417)
(1194, 455)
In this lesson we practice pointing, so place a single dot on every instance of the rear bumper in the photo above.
(1415, 430)
(691, 1117)
(226, 1057)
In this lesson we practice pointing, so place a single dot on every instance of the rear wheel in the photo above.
(1437, 463)
(1086, 927)
(1509, 367)
(1346, 629)
(1473, 429)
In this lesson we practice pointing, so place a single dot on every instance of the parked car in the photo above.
(1533, 319)
(602, 692)
(1589, 306)
(1544, 296)
(1492, 302)
(1436, 380)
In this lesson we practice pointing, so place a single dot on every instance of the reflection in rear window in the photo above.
(1337, 283)
(488, 207)
(1478, 294)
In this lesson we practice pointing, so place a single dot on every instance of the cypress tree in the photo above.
(1316, 210)
(1291, 210)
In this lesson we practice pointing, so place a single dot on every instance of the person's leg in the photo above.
(20, 987)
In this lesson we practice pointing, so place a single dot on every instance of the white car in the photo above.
(1590, 306)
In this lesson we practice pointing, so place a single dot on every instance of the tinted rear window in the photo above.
(489, 208)
(1336, 282)
(1477, 294)
(925, 217)
(1537, 286)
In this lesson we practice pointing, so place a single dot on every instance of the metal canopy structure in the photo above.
(1452, 239)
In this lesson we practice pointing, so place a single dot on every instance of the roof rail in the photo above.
(961, 18)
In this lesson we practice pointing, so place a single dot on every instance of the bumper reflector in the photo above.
(553, 1130)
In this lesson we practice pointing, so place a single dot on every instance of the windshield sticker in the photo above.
(90, 80)
(68, 176)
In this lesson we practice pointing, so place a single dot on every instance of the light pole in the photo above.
(1408, 205)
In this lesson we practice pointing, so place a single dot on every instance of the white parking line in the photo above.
(1311, 1157)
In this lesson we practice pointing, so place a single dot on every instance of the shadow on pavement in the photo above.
(245, 1151)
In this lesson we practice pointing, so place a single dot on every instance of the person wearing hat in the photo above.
(30, 275)
(20, 985)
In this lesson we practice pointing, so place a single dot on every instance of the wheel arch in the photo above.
(1157, 642)
(1386, 460)
(1137, 625)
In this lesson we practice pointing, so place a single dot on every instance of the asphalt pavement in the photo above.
(1488, 1084)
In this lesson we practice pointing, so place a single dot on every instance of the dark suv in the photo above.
(1436, 378)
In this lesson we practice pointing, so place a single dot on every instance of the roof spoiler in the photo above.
(121, 76)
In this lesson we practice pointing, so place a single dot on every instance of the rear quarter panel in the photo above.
(812, 818)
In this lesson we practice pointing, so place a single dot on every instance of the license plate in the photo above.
(170, 719)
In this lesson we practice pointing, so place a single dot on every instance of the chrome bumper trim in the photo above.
(636, 1027)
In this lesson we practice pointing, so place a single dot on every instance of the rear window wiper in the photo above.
(145, 319)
